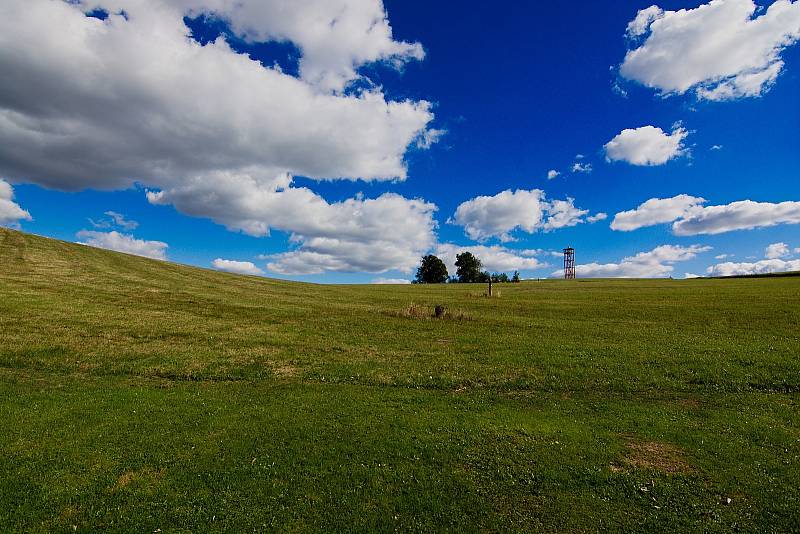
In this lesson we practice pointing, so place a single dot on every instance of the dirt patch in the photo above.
(655, 456)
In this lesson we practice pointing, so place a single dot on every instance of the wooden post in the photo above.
(490, 285)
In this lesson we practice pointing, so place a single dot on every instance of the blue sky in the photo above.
(515, 90)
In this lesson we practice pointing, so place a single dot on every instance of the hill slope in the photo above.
(142, 395)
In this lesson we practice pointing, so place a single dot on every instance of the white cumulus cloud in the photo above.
(498, 216)
(655, 211)
(690, 217)
(336, 37)
(124, 243)
(741, 215)
(657, 263)
(10, 211)
(722, 50)
(552, 174)
(759, 267)
(777, 250)
(391, 281)
(236, 267)
(644, 18)
(355, 235)
(161, 108)
(647, 146)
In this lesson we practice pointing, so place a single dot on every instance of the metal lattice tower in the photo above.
(569, 263)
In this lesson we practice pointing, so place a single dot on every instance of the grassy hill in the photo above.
(138, 395)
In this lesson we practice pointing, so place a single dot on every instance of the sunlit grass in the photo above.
(140, 395)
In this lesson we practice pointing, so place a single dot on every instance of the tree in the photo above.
(515, 278)
(500, 278)
(432, 270)
(468, 268)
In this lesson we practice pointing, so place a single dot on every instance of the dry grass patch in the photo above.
(654, 456)
(496, 294)
(144, 476)
(416, 311)
(689, 402)
(284, 370)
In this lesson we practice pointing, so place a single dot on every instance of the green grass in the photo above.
(138, 395)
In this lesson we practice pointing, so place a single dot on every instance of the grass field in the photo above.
(137, 395)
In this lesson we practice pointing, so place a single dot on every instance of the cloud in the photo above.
(355, 235)
(98, 104)
(10, 211)
(553, 174)
(759, 267)
(391, 281)
(124, 243)
(776, 251)
(647, 146)
(690, 217)
(494, 258)
(722, 256)
(484, 217)
(742, 215)
(562, 214)
(716, 147)
(121, 221)
(657, 263)
(597, 217)
(584, 168)
(644, 18)
(655, 211)
(236, 267)
(166, 110)
(720, 50)
(429, 137)
(114, 219)
(336, 37)
(498, 216)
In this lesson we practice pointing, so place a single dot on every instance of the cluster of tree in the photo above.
(469, 270)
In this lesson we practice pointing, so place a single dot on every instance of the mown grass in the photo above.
(138, 395)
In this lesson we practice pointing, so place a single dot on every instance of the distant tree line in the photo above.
(469, 270)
